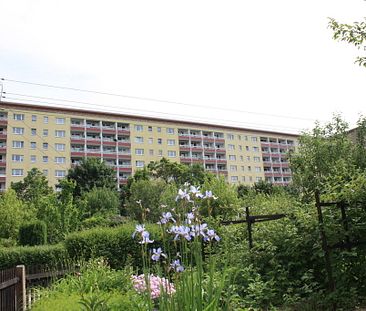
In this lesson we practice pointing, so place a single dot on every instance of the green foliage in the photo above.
(96, 287)
(61, 215)
(116, 245)
(91, 173)
(149, 198)
(12, 213)
(33, 187)
(227, 204)
(101, 201)
(48, 255)
(354, 34)
(33, 233)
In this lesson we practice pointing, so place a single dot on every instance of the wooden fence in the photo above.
(19, 286)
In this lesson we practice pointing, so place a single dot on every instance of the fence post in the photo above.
(20, 288)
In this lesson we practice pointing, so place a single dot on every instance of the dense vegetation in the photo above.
(90, 222)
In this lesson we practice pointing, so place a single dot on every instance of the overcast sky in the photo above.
(248, 62)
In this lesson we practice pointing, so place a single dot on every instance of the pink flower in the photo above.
(158, 285)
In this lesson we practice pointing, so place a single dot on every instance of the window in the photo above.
(243, 179)
(230, 136)
(149, 128)
(17, 158)
(254, 139)
(139, 140)
(241, 158)
(255, 149)
(33, 159)
(45, 159)
(45, 146)
(59, 133)
(258, 169)
(33, 132)
(231, 147)
(60, 147)
(170, 130)
(250, 178)
(247, 148)
(160, 141)
(239, 137)
(249, 168)
(234, 178)
(160, 152)
(45, 172)
(34, 118)
(248, 158)
(16, 172)
(171, 154)
(60, 173)
(171, 142)
(18, 130)
(140, 163)
(60, 160)
(256, 159)
(139, 128)
(151, 152)
(18, 144)
(45, 132)
(158, 129)
(45, 120)
(33, 145)
(242, 168)
(232, 157)
(60, 120)
(240, 147)
(139, 151)
(18, 116)
(257, 179)
(150, 141)
(233, 168)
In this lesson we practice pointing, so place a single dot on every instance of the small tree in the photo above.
(92, 173)
(33, 187)
(12, 213)
(101, 201)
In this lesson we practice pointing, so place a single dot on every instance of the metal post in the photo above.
(249, 226)
(328, 264)
(342, 206)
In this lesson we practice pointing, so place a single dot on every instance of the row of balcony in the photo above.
(98, 128)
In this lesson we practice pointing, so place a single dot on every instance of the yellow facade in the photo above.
(53, 140)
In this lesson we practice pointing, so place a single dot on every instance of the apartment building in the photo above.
(55, 139)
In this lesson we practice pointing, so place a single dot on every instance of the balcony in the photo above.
(124, 143)
(77, 152)
(125, 130)
(77, 126)
(221, 171)
(77, 139)
(3, 149)
(125, 168)
(183, 135)
(109, 129)
(185, 159)
(3, 121)
(2, 163)
(3, 135)
(126, 156)
(208, 139)
(2, 177)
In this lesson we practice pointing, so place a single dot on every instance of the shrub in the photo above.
(50, 255)
(33, 233)
(116, 244)
(101, 201)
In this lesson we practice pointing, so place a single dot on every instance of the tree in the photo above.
(12, 213)
(92, 173)
(101, 201)
(33, 187)
(325, 153)
(354, 34)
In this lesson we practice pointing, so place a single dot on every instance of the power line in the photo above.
(202, 120)
(155, 100)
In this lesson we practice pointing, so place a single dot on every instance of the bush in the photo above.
(50, 255)
(33, 233)
(101, 201)
(116, 245)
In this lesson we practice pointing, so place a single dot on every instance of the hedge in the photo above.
(33, 233)
(47, 255)
(114, 244)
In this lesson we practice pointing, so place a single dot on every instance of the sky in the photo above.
(270, 65)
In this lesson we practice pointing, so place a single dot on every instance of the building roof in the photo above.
(54, 109)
